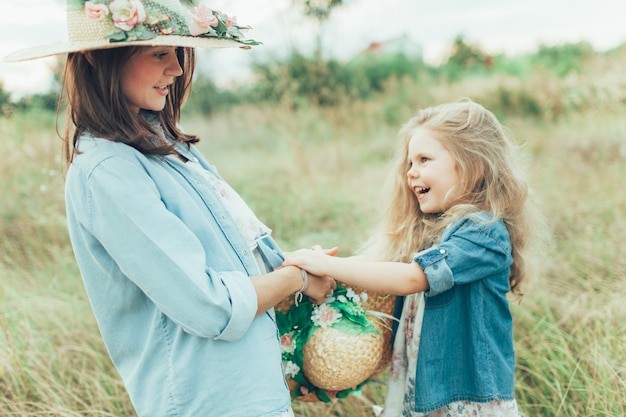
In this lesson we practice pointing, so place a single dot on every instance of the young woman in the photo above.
(179, 271)
(454, 239)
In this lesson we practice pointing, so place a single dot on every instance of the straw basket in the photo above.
(335, 362)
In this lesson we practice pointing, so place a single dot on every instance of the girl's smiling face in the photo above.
(147, 75)
(432, 173)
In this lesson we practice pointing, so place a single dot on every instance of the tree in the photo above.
(319, 10)
(5, 101)
(465, 55)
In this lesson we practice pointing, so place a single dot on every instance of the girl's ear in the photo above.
(89, 57)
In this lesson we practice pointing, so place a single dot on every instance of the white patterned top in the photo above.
(247, 222)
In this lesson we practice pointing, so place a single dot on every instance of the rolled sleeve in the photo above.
(439, 275)
(168, 263)
(243, 305)
(470, 250)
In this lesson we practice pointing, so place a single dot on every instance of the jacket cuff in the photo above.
(270, 253)
(433, 263)
(243, 306)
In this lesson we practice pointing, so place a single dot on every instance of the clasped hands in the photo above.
(311, 260)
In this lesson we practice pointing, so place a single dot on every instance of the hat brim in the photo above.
(170, 40)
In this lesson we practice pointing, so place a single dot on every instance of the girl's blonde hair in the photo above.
(490, 182)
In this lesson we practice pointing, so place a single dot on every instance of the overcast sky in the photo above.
(509, 26)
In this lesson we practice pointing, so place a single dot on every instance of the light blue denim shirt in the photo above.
(166, 271)
(466, 348)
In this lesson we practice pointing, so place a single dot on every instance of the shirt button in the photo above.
(442, 251)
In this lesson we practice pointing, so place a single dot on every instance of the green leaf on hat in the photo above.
(221, 27)
(234, 32)
(210, 32)
(120, 36)
(75, 4)
(142, 33)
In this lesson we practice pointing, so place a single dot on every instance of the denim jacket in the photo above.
(466, 349)
(166, 272)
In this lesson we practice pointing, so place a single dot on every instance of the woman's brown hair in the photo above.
(95, 102)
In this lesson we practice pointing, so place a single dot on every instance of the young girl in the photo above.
(178, 270)
(454, 238)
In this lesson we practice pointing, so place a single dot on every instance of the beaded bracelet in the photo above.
(305, 284)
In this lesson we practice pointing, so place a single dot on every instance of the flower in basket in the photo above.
(330, 350)
(325, 315)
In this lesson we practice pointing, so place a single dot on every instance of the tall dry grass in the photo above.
(313, 176)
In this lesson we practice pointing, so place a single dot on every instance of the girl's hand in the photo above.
(313, 260)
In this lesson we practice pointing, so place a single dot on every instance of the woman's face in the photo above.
(148, 75)
(432, 172)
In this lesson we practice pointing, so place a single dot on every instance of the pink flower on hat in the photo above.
(231, 21)
(96, 11)
(202, 20)
(127, 13)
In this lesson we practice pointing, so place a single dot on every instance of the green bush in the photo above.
(6, 107)
(329, 82)
(465, 59)
(320, 82)
(563, 59)
(374, 71)
(43, 101)
(206, 98)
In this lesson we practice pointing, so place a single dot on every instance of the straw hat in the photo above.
(104, 24)
(333, 360)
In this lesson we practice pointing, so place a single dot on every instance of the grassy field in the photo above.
(313, 176)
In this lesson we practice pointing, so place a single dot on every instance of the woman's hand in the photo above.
(319, 288)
